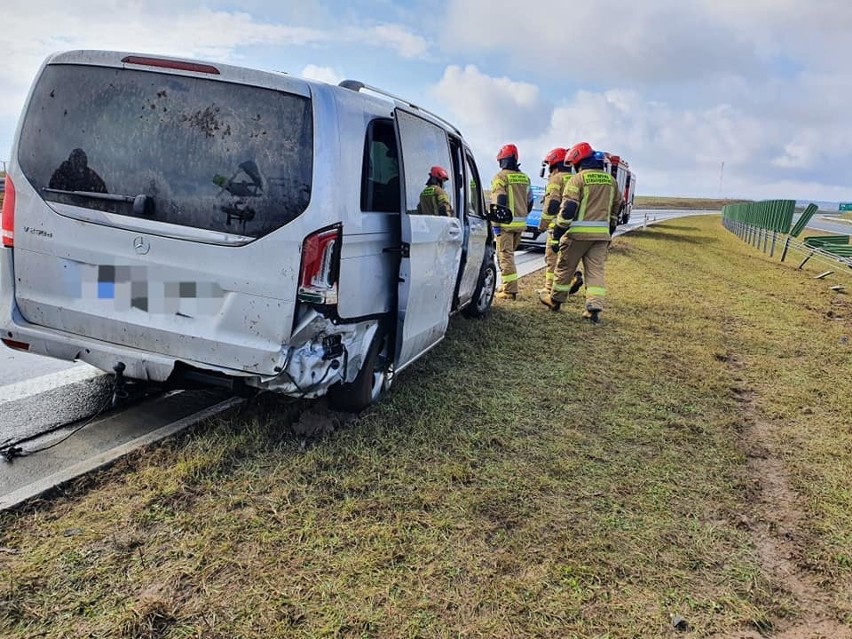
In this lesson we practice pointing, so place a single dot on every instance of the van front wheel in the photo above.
(372, 382)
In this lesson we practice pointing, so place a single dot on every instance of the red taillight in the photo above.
(8, 220)
(320, 267)
(170, 64)
(18, 346)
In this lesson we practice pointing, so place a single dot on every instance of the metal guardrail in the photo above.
(757, 236)
(825, 254)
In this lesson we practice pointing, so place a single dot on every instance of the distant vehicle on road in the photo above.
(531, 236)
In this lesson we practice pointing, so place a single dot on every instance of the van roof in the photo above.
(184, 66)
(278, 80)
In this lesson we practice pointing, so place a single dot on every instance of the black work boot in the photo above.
(549, 302)
(576, 284)
(594, 316)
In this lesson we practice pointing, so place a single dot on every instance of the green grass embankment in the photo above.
(534, 476)
(688, 203)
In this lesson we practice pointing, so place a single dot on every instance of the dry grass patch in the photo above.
(534, 476)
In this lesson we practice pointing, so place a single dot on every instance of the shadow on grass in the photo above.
(667, 234)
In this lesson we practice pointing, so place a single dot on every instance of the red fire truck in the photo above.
(626, 180)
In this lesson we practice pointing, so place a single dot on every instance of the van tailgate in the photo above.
(181, 299)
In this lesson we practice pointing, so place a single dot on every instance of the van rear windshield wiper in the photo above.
(142, 204)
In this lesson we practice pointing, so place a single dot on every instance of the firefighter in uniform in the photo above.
(559, 174)
(510, 188)
(587, 219)
(434, 199)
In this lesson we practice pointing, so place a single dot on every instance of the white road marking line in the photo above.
(36, 385)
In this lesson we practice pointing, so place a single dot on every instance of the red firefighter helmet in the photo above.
(555, 156)
(578, 152)
(438, 173)
(507, 151)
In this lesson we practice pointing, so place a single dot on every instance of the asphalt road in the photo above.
(830, 224)
(16, 366)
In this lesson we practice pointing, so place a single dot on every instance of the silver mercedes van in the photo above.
(185, 221)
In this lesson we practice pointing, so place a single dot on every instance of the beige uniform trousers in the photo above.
(593, 255)
(507, 244)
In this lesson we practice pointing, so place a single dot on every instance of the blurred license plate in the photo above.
(528, 235)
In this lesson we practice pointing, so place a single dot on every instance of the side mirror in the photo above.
(499, 214)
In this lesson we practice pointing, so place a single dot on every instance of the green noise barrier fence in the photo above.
(759, 224)
(755, 222)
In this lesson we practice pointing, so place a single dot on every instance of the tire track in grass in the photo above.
(775, 524)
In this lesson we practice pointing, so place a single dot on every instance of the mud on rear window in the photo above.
(206, 154)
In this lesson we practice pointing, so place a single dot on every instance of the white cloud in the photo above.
(677, 87)
(132, 27)
(323, 74)
(489, 108)
(674, 150)
(639, 43)
(396, 37)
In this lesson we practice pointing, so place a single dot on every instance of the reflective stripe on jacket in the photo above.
(515, 185)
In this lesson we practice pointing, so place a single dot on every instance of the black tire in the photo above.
(624, 214)
(486, 287)
(372, 382)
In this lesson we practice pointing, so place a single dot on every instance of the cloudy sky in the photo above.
(675, 87)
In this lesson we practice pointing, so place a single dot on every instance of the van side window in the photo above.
(380, 172)
(473, 192)
(424, 145)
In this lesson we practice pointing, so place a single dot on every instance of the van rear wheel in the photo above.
(372, 382)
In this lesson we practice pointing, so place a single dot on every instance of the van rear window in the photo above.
(179, 150)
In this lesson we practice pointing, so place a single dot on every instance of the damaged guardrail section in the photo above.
(759, 224)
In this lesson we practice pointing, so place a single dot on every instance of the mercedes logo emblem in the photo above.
(141, 245)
